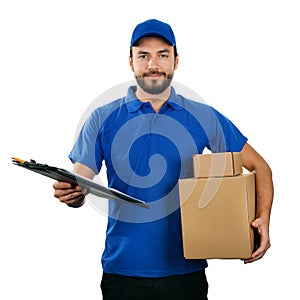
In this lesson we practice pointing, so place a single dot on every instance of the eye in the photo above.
(164, 56)
(143, 56)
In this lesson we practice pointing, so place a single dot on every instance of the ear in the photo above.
(176, 62)
(131, 64)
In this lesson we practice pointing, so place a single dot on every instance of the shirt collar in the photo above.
(133, 104)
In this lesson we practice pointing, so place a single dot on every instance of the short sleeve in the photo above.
(228, 137)
(87, 148)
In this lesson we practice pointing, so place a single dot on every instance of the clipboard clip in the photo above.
(32, 164)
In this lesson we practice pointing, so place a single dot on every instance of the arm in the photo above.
(252, 161)
(71, 195)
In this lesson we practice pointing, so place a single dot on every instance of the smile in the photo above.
(154, 75)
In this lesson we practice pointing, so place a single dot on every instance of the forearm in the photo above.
(254, 162)
(264, 192)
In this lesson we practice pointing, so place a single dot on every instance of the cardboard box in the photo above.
(217, 164)
(216, 214)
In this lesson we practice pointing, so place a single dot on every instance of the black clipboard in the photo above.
(67, 176)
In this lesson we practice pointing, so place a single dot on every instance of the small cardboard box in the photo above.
(217, 164)
(216, 214)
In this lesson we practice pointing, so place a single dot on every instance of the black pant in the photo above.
(192, 286)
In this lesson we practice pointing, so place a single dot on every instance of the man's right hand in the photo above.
(69, 194)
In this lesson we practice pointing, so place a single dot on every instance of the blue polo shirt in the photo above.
(145, 154)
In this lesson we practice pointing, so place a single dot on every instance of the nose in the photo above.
(152, 64)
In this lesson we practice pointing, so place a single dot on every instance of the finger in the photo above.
(76, 202)
(263, 247)
(62, 185)
(256, 256)
(60, 193)
(63, 193)
(72, 197)
(64, 188)
(264, 241)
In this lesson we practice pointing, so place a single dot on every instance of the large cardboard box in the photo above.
(217, 164)
(216, 213)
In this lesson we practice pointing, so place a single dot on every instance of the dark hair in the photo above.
(138, 42)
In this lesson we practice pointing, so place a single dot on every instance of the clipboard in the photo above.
(67, 176)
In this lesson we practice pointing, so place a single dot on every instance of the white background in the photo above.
(57, 56)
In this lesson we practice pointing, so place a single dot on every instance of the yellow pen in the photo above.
(18, 160)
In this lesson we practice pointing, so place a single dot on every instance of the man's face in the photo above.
(153, 64)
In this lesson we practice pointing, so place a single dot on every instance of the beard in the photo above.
(154, 86)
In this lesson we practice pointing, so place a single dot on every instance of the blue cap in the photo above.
(153, 28)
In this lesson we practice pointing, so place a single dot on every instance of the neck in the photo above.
(156, 100)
